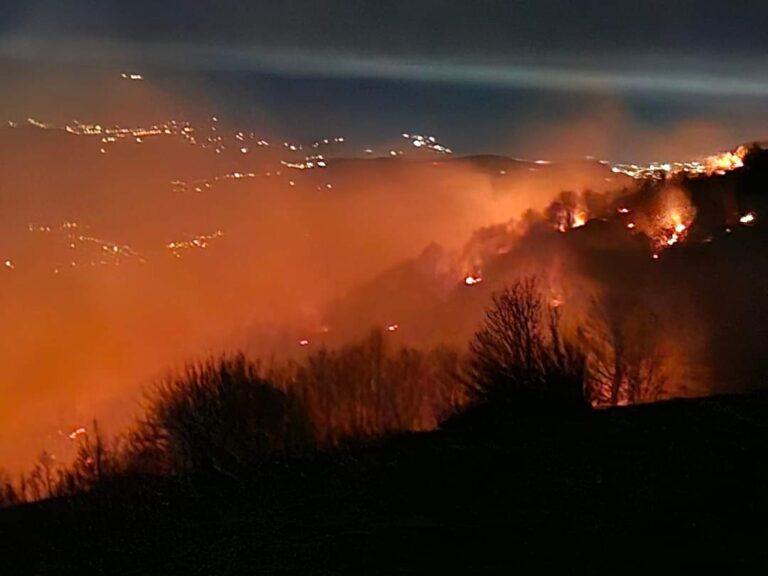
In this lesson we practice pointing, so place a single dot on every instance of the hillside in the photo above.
(676, 485)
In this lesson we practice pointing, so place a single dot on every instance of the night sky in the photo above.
(627, 80)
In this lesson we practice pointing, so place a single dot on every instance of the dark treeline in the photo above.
(226, 415)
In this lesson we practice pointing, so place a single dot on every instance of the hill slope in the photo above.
(677, 484)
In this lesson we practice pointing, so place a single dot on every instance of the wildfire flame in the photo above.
(579, 219)
(570, 220)
(667, 221)
(725, 162)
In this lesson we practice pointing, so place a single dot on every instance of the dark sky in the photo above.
(484, 73)
(492, 28)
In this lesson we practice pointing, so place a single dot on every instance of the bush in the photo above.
(218, 415)
(94, 463)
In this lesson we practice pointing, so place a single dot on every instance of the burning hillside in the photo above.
(135, 248)
(654, 261)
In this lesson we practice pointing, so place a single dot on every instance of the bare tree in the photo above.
(519, 350)
(624, 358)
(368, 389)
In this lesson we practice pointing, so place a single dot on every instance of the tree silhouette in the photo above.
(624, 358)
(219, 415)
(519, 352)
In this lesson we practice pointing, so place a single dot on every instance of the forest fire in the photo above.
(676, 230)
(665, 217)
(249, 231)
(329, 287)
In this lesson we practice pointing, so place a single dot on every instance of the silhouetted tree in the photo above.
(624, 358)
(519, 352)
(366, 389)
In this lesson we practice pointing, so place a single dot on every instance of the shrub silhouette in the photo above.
(9, 494)
(519, 353)
(224, 415)
(219, 415)
(94, 463)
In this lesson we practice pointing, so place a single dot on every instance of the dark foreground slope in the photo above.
(678, 484)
